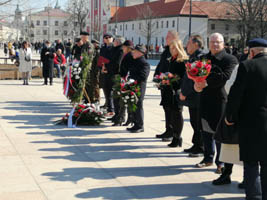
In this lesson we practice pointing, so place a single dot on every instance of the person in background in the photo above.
(59, 45)
(47, 58)
(25, 63)
(68, 49)
(245, 54)
(77, 49)
(59, 62)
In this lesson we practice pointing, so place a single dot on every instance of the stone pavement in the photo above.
(41, 161)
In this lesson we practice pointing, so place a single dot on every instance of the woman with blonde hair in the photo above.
(25, 63)
(170, 93)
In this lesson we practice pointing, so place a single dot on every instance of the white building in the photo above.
(8, 33)
(50, 24)
(168, 15)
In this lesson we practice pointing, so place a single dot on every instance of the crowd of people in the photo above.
(228, 129)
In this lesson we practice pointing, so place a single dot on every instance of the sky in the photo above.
(26, 5)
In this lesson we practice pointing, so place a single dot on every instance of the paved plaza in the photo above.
(42, 161)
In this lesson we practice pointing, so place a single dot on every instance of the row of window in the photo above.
(156, 40)
(213, 26)
(38, 23)
(65, 33)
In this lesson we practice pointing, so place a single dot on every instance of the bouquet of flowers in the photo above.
(198, 71)
(84, 114)
(76, 76)
(165, 79)
(128, 91)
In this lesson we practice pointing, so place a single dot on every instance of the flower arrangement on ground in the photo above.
(198, 71)
(84, 114)
(165, 79)
(128, 91)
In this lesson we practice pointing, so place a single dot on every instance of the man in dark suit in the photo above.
(247, 107)
(139, 71)
(213, 97)
(190, 97)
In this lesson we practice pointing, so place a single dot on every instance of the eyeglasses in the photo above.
(107, 37)
(216, 42)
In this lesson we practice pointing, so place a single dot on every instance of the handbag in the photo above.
(27, 59)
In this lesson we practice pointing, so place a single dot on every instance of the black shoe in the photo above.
(117, 123)
(132, 128)
(166, 134)
(241, 185)
(222, 180)
(197, 152)
(176, 142)
(128, 122)
(190, 150)
(137, 130)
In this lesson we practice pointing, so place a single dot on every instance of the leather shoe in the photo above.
(166, 134)
(204, 164)
(222, 180)
(138, 130)
(241, 185)
(132, 128)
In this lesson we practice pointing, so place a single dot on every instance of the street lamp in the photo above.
(190, 18)
(116, 26)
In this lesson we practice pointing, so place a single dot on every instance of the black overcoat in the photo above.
(213, 98)
(169, 95)
(48, 62)
(247, 107)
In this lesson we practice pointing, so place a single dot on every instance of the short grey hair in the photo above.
(217, 35)
(120, 39)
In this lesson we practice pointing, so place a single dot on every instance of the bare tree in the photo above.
(3, 2)
(251, 18)
(148, 26)
(79, 10)
(96, 31)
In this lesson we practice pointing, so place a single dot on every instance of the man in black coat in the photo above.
(47, 58)
(105, 79)
(112, 69)
(139, 71)
(191, 98)
(60, 45)
(247, 107)
(162, 67)
(213, 97)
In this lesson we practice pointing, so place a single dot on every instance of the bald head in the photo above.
(216, 43)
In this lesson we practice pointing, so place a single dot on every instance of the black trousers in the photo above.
(174, 120)
(46, 80)
(139, 113)
(195, 122)
(107, 88)
(255, 180)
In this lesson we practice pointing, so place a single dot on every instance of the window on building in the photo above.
(139, 40)
(56, 23)
(173, 23)
(65, 33)
(38, 32)
(140, 25)
(44, 32)
(56, 32)
(132, 39)
(157, 24)
(212, 26)
(126, 27)
(45, 23)
(227, 27)
(156, 40)
(167, 24)
(162, 24)
(109, 28)
(162, 41)
(120, 27)
(132, 26)
(38, 23)
(65, 23)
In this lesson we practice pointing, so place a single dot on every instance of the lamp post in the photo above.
(190, 18)
(116, 27)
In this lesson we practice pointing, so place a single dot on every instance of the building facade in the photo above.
(50, 24)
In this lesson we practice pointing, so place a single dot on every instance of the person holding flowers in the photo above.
(170, 90)
(139, 71)
(213, 97)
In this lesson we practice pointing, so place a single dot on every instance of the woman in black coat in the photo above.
(47, 57)
(170, 92)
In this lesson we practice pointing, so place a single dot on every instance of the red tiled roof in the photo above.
(53, 12)
(160, 8)
(165, 8)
